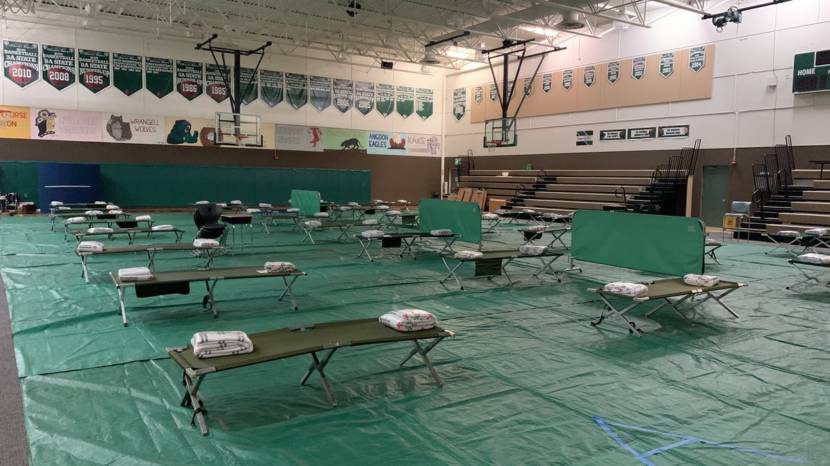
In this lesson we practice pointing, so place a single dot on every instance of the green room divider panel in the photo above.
(651, 243)
(21, 178)
(307, 201)
(463, 218)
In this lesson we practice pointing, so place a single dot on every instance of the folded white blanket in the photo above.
(370, 234)
(529, 211)
(370, 221)
(252, 211)
(552, 216)
(221, 204)
(344, 208)
(403, 201)
(536, 228)
(408, 320)
(202, 202)
(90, 246)
(99, 230)
(489, 216)
(236, 202)
(205, 243)
(441, 232)
(112, 207)
(712, 242)
(144, 218)
(313, 224)
(100, 202)
(72, 220)
(634, 290)
(115, 212)
(700, 280)
(813, 258)
(382, 207)
(353, 204)
(64, 208)
(788, 233)
(93, 212)
(265, 205)
(817, 232)
(135, 274)
(468, 254)
(532, 250)
(215, 344)
(321, 215)
(393, 213)
(55, 203)
(292, 209)
(500, 211)
(163, 228)
(280, 267)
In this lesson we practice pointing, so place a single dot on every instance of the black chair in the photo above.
(206, 217)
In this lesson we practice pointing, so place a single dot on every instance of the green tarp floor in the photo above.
(526, 380)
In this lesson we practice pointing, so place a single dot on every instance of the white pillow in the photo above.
(55, 203)
(468, 255)
(72, 220)
(236, 202)
(100, 203)
(100, 230)
(536, 228)
(813, 258)
(633, 290)
(252, 211)
(163, 228)
(353, 204)
(90, 246)
(321, 215)
(205, 243)
(372, 234)
(280, 267)
(382, 207)
(788, 233)
(115, 212)
(532, 250)
(393, 213)
(112, 207)
(700, 280)
(144, 218)
(64, 208)
(202, 202)
(221, 204)
(292, 210)
(313, 224)
(344, 208)
(135, 274)
(403, 201)
(489, 216)
(816, 232)
(408, 320)
(92, 213)
(265, 205)
(441, 232)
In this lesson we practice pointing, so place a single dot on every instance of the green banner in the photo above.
(190, 79)
(364, 96)
(547, 82)
(250, 85)
(404, 100)
(697, 58)
(94, 69)
(424, 103)
(568, 79)
(638, 67)
(215, 86)
(20, 62)
(272, 86)
(385, 99)
(126, 73)
(158, 75)
(459, 102)
(613, 72)
(343, 94)
(296, 89)
(589, 75)
(58, 66)
(319, 92)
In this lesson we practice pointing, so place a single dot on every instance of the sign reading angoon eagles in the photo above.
(296, 89)
(249, 84)
(20, 62)
(404, 100)
(58, 66)
(319, 92)
(424, 103)
(215, 86)
(459, 102)
(189, 79)
(364, 96)
(272, 86)
(158, 75)
(126, 73)
(385, 99)
(94, 69)
(343, 94)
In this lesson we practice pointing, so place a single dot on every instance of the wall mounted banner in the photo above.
(345, 139)
(136, 129)
(642, 133)
(273, 88)
(65, 125)
(528, 86)
(319, 92)
(459, 102)
(478, 94)
(494, 93)
(343, 94)
(676, 131)
(296, 89)
(404, 100)
(14, 122)
(190, 79)
(423, 144)
(250, 85)
(424, 103)
(585, 138)
(126, 73)
(697, 58)
(567, 79)
(547, 82)
(158, 75)
(20, 62)
(94, 69)
(58, 66)
(613, 72)
(364, 96)
(215, 86)
(638, 67)
(386, 144)
(666, 64)
(612, 135)
(300, 138)
(589, 75)
(385, 99)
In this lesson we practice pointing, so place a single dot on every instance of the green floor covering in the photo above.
(527, 380)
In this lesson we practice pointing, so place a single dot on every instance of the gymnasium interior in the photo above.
(371, 232)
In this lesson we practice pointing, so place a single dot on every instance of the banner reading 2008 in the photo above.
(58, 66)
(94, 69)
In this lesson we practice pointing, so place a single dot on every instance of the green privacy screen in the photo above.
(20, 178)
(307, 201)
(651, 243)
(463, 218)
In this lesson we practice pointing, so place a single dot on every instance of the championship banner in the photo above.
(250, 85)
(14, 122)
(424, 100)
(364, 96)
(126, 73)
(343, 94)
(345, 139)
(272, 86)
(459, 103)
(58, 66)
(300, 138)
(589, 75)
(65, 125)
(547, 82)
(215, 86)
(528, 86)
(638, 68)
(319, 92)
(385, 99)
(666, 64)
(697, 58)
(613, 72)
(568, 79)
(158, 75)
(296, 89)
(94, 69)
(494, 93)
(405, 100)
(189, 79)
(136, 129)
(380, 143)
(20, 62)
(478, 94)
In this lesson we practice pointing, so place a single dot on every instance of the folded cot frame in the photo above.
(130, 232)
(799, 265)
(557, 231)
(503, 258)
(407, 242)
(68, 231)
(343, 226)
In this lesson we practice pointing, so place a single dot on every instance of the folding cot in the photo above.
(532, 234)
(663, 290)
(404, 240)
(271, 215)
(325, 339)
(310, 226)
(491, 220)
(709, 247)
(126, 222)
(493, 263)
(99, 218)
(178, 282)
(149, 249)
(130, 232)
(799, 265)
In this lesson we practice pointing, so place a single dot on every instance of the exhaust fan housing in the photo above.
(429, 58)
(571, 21)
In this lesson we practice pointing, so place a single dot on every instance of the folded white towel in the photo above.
(712, 242)
(55, 203)
(205, 243)
(489, 216)
(468, 255)
(90, 246)
(64, 208)
(379, 201)
(202, 202)
(393, 213)
(353, 204)
(700, 280)
(532, 250)
(265, 205)
(252, 211)
(221, 204)
(144, 218)
(320, 214)
(441, 232)
(408, 320)
(112, 207)
(382, 207)
(163, 228)
(236, 202)
(115, 212)
(372, 234)
(813, 258)
(403, 201)
(216, 344)
(344, 208)
(72, 220)
(292, 210)
(633, 290)
(135, 274)
(100, 202)
(280, 267)
(93, 213)
(313, 224)
(99, 230)
(370, 221)
(817, 232)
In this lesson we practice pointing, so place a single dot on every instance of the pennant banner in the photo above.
(424, 101)
(528, 86)
(20, 62)
(158, 75)
(547, 82)
(126, 73)
(404, 100)
(589, 75)
(638, 67)
(666, 64)
(66, 125)
(250, 85)
(58, 66)
(385, 99)
(613, 72)
(319, 92)
(697, 58)
(296, 89)
(364, 95)
(494, 93)
(478, 94)
(190, 80)
(272, 86)
(567, 79)
(94, 69)
(459, 103)
(215, 86)
(343, 94)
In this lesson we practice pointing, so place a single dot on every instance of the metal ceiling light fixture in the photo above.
(429, 57)
(570, 21)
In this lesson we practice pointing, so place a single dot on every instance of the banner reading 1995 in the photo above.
(94, 69)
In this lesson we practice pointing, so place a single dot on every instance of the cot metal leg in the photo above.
(712, 255)
(208, 301)
(344, 231)
(557, 238)
(84, 268)
(407, 246)
(151, 259)
(308, 235)
(452, 273)
(319, 366)
(365, 245)
(448, 242)
(288, 291)
(672, 304)
(547, 265)
(130, 236)
(718, 299)
(122, 305)
(611, 310)
(810, 278)
(191, 400)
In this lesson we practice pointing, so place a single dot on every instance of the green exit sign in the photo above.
(811, 72)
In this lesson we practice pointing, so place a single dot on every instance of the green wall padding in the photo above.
(651, 243)
(20, 178)
(307, 201)
(463, 218)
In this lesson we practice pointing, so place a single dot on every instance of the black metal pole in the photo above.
(236, 98)
(505, 101)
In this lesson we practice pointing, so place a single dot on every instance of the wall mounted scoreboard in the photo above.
(811, 72)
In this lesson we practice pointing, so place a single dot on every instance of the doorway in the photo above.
(714, 194)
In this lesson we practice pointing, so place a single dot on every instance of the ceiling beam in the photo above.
(682, 6)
